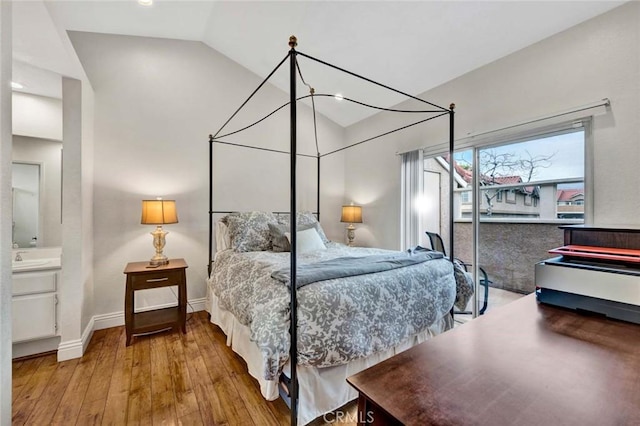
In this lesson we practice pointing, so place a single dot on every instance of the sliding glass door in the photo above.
(508, 220)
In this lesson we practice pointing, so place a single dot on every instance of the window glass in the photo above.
(538, 178)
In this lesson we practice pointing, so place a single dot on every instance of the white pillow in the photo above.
(307, 240)
(223, 239)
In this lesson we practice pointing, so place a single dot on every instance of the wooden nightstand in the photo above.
(140, 277)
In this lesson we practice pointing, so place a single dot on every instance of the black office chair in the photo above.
(438, 245)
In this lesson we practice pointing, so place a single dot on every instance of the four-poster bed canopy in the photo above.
(433, 111)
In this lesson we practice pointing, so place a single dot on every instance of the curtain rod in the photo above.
(603, 102)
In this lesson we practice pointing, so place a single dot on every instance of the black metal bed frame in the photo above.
(293, 154)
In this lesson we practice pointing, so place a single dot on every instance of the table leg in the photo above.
(128, 310)
(182, 291)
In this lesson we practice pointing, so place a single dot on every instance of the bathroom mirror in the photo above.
(25, 192)
(37, 192)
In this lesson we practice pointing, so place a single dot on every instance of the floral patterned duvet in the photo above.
(339, 319)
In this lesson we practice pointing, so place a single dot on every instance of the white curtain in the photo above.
(412, 187)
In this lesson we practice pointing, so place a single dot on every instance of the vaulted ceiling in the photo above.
(412, 46)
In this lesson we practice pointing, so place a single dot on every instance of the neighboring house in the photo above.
(522, 202)
(515, 202)
(570, 203)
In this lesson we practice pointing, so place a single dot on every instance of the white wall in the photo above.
(87, 164)
(597, 59)
(74, 257)
(5, 219)
(156, 102)
(47, 153)
(37, 116)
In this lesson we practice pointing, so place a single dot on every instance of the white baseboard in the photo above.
(75, 348)
(197, 305)
(70, 349)
(116, 319)
(87, 334)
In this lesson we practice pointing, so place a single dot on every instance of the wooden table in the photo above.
(522, 364)
(141, 277)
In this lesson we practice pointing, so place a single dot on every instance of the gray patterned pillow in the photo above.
(279, 241)
(250, 231)
(304, 218)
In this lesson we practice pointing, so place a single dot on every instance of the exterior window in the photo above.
(465, 197)
(516, 176)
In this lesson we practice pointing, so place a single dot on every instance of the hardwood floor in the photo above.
(164, 378)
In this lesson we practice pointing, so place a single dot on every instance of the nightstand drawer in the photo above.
(156, 279)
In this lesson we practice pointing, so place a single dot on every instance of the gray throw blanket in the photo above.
(349, 266)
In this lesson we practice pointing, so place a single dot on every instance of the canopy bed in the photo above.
(287, 296)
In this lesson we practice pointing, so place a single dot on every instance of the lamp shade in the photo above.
(158, 212)
(351, 214)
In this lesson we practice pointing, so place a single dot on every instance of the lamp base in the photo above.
(159, 261)
(158, 243)
(351, 234)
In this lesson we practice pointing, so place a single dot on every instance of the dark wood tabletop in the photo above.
(521, 364)
(145, 267)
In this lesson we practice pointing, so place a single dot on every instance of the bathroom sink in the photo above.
(30, 263)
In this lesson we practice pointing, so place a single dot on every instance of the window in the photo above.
(524, 185)
(528, 200)
(539, 178)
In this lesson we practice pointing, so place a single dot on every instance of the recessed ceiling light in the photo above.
(15, 85)
(338, 96)
(145, 2)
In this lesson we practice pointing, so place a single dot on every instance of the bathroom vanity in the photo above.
(34, 302)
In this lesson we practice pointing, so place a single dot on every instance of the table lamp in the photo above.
(351, 214)
(159, 212)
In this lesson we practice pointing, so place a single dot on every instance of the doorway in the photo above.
(431, 204)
